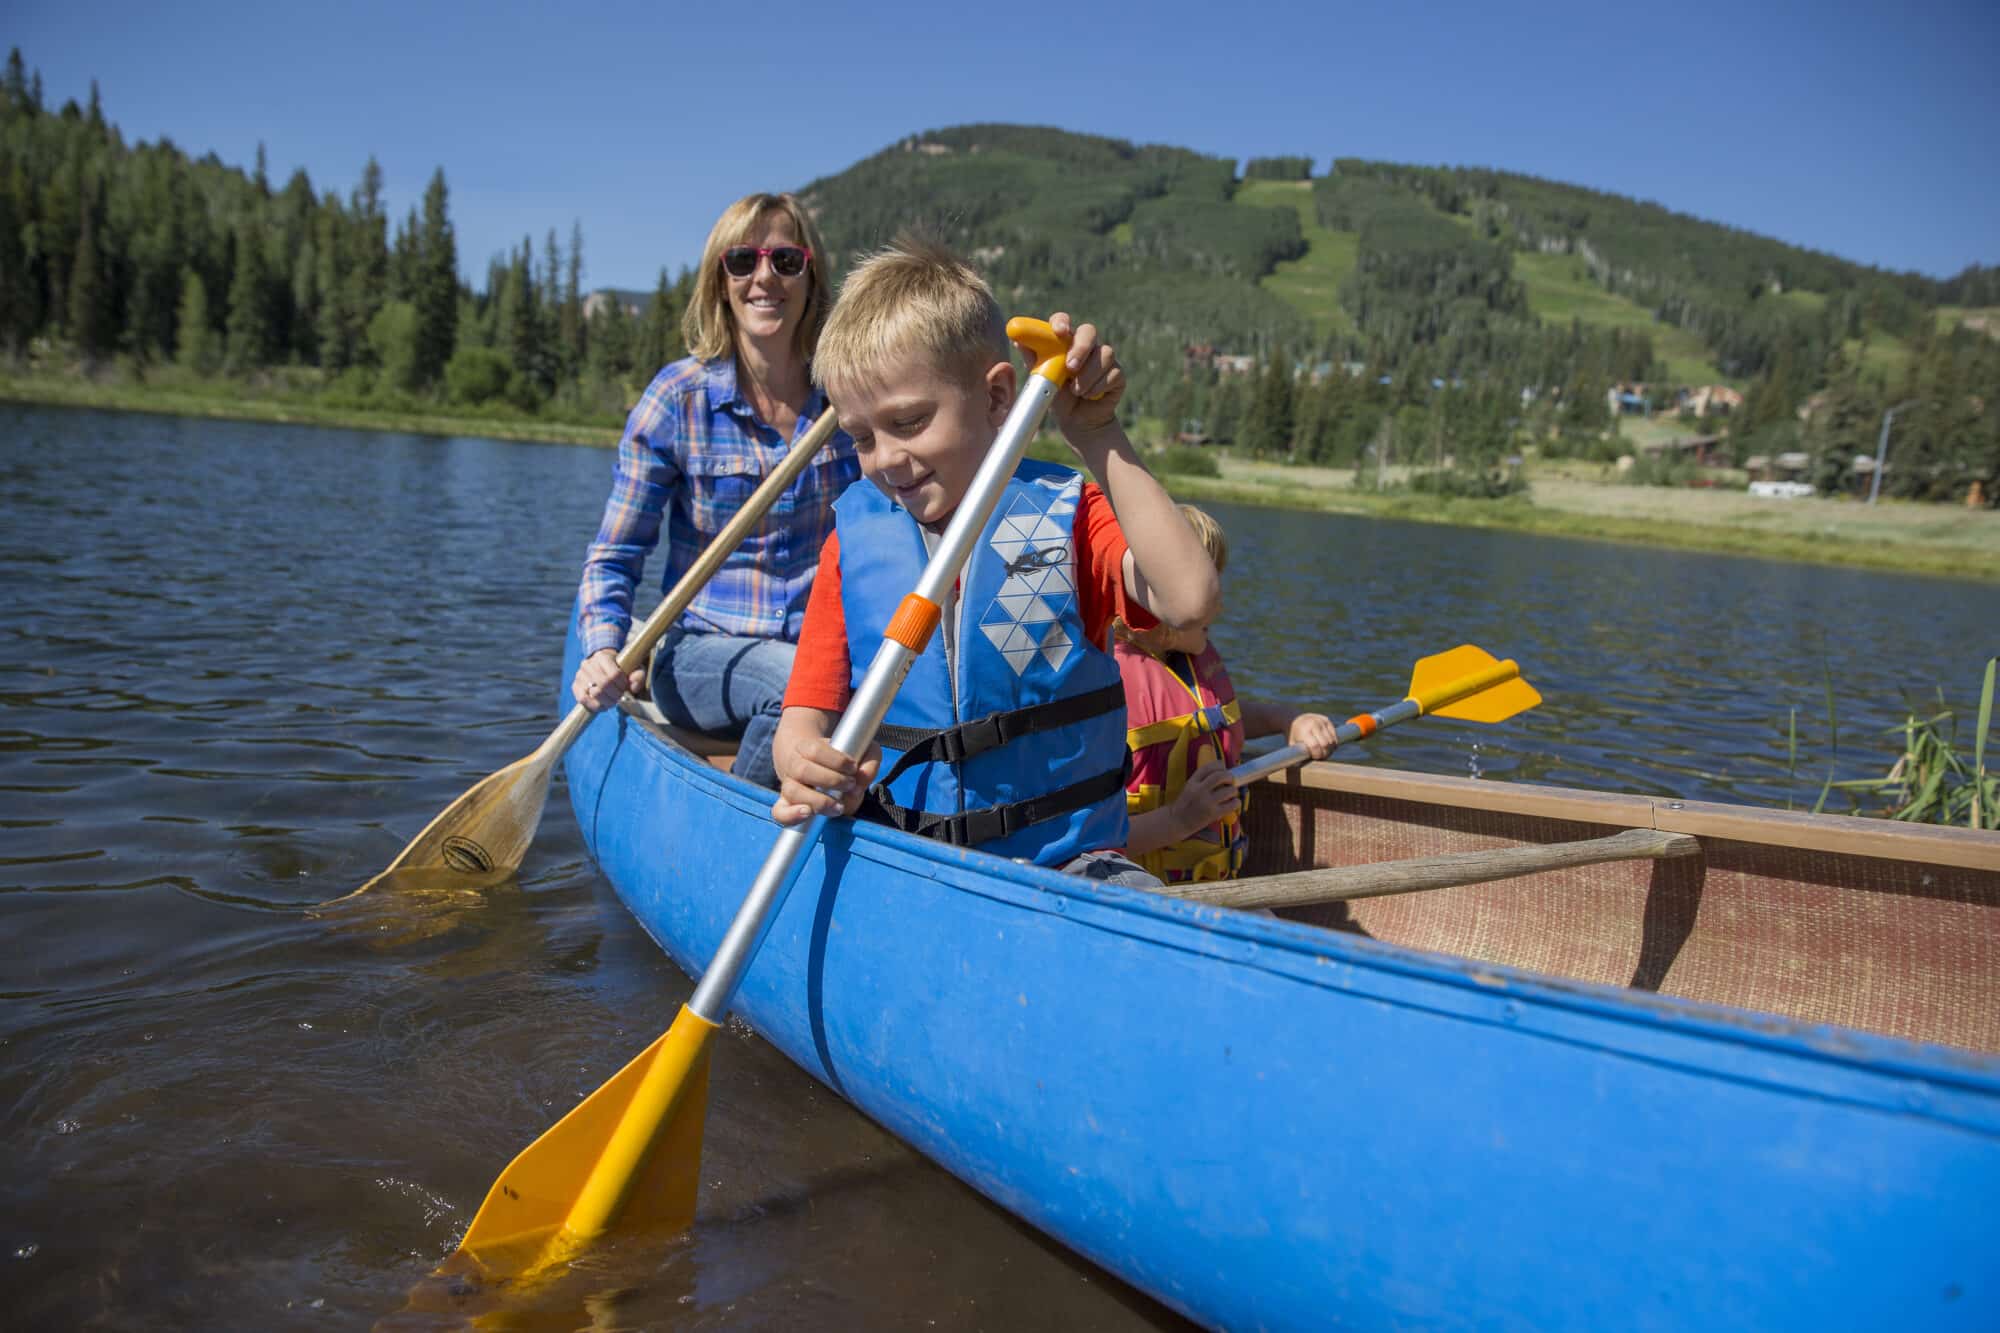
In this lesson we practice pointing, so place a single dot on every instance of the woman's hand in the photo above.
(599, 683)
(1314, 733)
(813, 777)
(1089, 401)
(1209, 795)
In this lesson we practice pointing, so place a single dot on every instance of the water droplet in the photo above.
(26, 1251)
(68, 1126)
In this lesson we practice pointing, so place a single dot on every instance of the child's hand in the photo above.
(1089, 401)
(1209, 795)
(809, 768)
(1314, 733)
(599, 683)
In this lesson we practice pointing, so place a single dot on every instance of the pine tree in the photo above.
(250, 325)
(1225, 408)
(335, 335)
(14, 86)
(367, 262)
(659, 329)
(195, 346)
(1268, 427)
(89, 314)
(571, 323)
(18, 316)
(405, 262)
(436, 279)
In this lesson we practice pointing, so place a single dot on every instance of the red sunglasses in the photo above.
(787, 261)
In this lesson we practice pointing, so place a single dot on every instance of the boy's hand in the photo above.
(599, 683)
(1089, 401)
(809, 768)
(1314, 733)
(1209, 795)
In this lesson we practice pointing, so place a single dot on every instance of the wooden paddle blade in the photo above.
(630, 1152)
(488, 829)
(1471, 685)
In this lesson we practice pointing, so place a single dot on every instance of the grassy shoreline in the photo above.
(1830, 535)
(1523, 515)
(177, 401)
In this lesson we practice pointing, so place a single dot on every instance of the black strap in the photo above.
(955, 745)
(994, 821)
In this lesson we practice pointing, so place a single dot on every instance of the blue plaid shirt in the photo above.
(692, 453)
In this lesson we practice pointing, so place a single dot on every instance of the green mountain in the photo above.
(1456, 273)
(1428, 312)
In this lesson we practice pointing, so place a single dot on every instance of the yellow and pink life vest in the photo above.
(1173, 727)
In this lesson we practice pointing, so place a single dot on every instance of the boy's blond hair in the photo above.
(707, 326)
(911, 301)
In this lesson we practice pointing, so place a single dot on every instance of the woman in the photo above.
(705, 433)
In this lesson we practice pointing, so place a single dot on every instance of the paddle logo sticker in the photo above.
(1025, 618)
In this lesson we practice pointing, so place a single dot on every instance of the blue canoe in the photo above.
(1387, 1119)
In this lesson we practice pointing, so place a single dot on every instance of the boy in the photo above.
(1185, 729)
(1008, 734)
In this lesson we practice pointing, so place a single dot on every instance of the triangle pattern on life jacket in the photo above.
(1024, 620)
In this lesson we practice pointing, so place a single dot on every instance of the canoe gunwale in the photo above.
(1894, 1075)
(1931, 844)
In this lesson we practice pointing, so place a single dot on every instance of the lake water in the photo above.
(244, 664)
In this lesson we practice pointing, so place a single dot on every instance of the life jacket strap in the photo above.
(994, 821)
(955, 745)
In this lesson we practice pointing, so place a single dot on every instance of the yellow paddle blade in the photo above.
(1470, 684)
(629, 1153)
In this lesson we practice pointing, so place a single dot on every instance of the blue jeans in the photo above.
(728, 686)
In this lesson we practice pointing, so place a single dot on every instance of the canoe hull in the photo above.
(1269, 1125)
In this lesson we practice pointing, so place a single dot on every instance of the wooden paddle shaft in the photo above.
(1341, 883)
(637, 646)
(726, 541)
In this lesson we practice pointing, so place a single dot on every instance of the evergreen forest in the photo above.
(1368, 312)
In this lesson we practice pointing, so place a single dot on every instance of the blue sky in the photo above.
(1864, 130)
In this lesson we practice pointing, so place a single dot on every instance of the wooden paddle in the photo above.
(631, 1150)
(486, 832)
(1339, 884)
(1468, 683)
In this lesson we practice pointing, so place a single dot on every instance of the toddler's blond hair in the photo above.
(1210, 534)
(913, 299)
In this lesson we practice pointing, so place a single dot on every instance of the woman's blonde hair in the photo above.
(707, 327)
(911, 300)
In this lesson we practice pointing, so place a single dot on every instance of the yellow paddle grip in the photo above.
(1039, 339)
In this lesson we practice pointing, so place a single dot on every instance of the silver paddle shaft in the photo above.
(870, 704)
(1252, 769)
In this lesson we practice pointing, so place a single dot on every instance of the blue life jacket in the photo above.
(1018, 746)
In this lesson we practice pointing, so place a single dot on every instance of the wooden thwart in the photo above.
(1304, 888)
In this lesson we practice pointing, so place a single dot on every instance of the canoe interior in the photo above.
(1859, 923)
